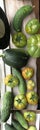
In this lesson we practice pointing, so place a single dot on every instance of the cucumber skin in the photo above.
(22, 85)
(9, 127)
(15, 58)
(5, 115)
(21, 120)
(8, 100)
(17, 125)
(20, 15)
(7, 105)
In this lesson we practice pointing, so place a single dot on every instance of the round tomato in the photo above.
(33, 46)
(30, 116)
(27, 72)
(30, 85)
(19, 39)
(20, 102)
(32, 97)
(32, 26)
(11, 81)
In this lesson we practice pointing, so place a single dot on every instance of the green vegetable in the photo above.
(32, 97)
(30, 116)
(22, 84)
(32, 26)
(17, 125)
(9, 127)
(32, 128)
(7, 105)
(20, 102)
(30, 85)
(33, 46)
(8, 100)
(15, 58)
(5, 114)
(21, 120)
(19, 39)
(20, 15)
(11, 81)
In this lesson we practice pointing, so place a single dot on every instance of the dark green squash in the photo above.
(15, 58)
(4, 30)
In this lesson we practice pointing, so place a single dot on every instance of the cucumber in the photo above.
(7, 106)
(20, 15)
(17, 125)
(5, 115)
(8, 100)
(9, 127)
(21, 120)
(22, 84)
(15, 58)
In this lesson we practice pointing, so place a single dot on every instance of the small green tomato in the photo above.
(30, 85)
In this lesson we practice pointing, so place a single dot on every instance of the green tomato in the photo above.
(32, 128)
(20, 102)
(32, 26)
(33, 46)
(11, 81)
(30, 85)
(30, 116)
(32, 97)
(19, 39)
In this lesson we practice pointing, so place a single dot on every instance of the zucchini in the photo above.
(20, 15)
(22, 84)
(9, 127)
(21, 120)
(15, 58)
(17, 125)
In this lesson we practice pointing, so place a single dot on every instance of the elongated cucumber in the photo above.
(20, 15)
(21, 120)
(22, 84)
(17, 125)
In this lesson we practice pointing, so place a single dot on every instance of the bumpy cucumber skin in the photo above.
(22, 84)
(20, 15)
(15, 58)
(17, 125)
(8, 100)
(7, 105)
(5, 115)
(21, 120)
(9, 127)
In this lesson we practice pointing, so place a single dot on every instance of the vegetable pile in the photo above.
(20, 120)
(22, 74)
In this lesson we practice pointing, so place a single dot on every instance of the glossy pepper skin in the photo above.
(30, 116)
(32, 98)
(20, 102)
(19, 39)
(33, 26)
(27, 73)
(33, 46)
